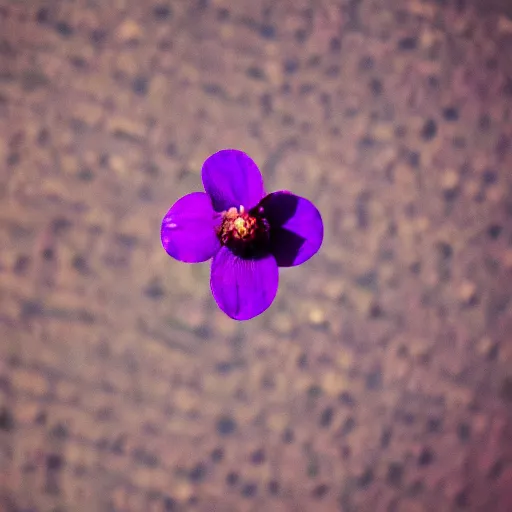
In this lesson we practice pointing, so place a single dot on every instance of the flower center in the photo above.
(243, 232)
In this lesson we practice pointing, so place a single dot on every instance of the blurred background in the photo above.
(381, 377)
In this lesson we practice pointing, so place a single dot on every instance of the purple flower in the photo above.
(247, 233)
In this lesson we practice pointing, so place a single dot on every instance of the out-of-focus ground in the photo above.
(380, 379)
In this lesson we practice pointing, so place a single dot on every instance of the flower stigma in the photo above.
(244, 232)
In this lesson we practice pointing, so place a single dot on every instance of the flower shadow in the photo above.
(279, 208)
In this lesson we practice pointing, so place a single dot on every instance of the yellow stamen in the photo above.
(240, 226)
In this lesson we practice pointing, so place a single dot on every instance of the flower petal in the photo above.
(243, 288)
(232, 179)
(296, 227)
(188, 229)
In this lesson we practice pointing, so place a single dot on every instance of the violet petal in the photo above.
(232, 179)
(296, 228)
(188, 229)
(243, 288)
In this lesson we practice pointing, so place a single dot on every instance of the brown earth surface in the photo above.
(381, 377)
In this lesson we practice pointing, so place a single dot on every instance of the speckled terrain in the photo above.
(380, 379)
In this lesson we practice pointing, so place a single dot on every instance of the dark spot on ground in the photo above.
(226, 425)
(6, 420)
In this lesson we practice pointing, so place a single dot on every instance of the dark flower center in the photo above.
(245, 233)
